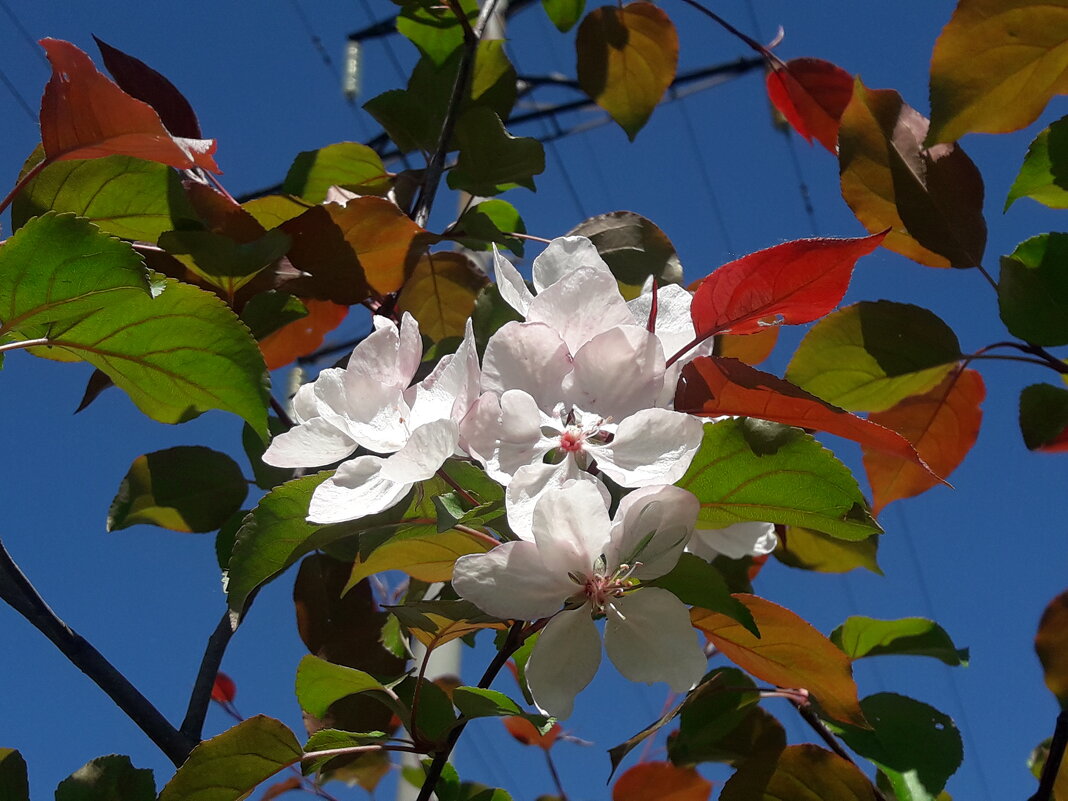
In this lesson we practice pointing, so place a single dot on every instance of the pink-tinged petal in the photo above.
(618, 372)
(582, 304)
(511, 582)
(424, 453)
(571, 527)
(530, 357)
(386, 355)
(510, 284)
(309, 444)
(530, 482)
(564, 255)
(505, 433)
(653, 526)
(564, 660)
(356, 490)
(734, 542)
(652, 446)
(451, 387)
(649, 638)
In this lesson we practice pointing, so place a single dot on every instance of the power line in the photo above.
(18, 96)
(706, 183)
(24, 33)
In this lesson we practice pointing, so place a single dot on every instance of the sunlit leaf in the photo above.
(811, 94)
(14, 784)
(1044, 417)
(123, 196)
(490, 221)
(1044, 173)
(1051, 645)
(797, 281)
(917, 747)
(942, 425)
(328, 739)
(175, 349)
(1033, 290)
(695, 582)
(813, 550)
(108, 778)
(320, 683)
(302, 336)
(661, 781)
(634, 248)
(859, 637)
(347, 164)
(996, 65)
(799, 773)
(715, 714)
(789, 653)
(427, 558)
(751, 470)
(627, 58)
(492, 160)
(229, 766)
(185, 488)
(441, 293)
(85, 115)
(712, 386)
(270, 211)
(435, 28)
(435, 623)
(564, 13)
(930, 199)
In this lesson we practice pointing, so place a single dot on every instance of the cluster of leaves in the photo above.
(129, 255)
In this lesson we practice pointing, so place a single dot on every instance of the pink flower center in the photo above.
(571, 441)
(601, 589)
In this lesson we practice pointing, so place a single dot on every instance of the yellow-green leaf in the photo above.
(626, 60)
(996, 65)
(808, 549)
(427, 557)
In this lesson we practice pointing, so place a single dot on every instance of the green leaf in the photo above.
(491, 160)
(267, 477)
(107, 778)
(434, 623)
(434, 28)
(1043, 416)
(488, 222)
(869, 356)
(186, 488)
(564, 13)
(434, 714)
(913, 636)
(1033, 290)
(269, 311)
(346, 164)
(758, 736)
(697, 583)
(328, 739)
(915, 745)
(123, 196)
(228, 767)
(754, 470)
(475, 702)
(1044, 174)
(812, 550)
(176, 350)
(634, 248)
(321, 683)
(14, 784)
(715, 714)
(221, 261)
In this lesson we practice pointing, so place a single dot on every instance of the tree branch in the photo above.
(1053, 759)
(813, 720)
(200, 697)
(17, 591)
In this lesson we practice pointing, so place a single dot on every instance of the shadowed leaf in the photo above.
(799, 773)
(811, 94)
(1051, 645)
(695, 582)
(108, 778)
(633, 247)
(1033, 290)
(749, 348)
(1044, 417)
(14, 784)
(441, 293)
(492, 160)
(1044, 174)
(813, 550)
(704, 722)
(661, 781)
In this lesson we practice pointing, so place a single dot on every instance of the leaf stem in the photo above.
(1053, 759)
(17, 591)
(200, 697)
(467, 496)
(1045, 357)
(29, 176)
(750, 41)
(24, 343)
(359, 749)
(989, 278)
(556, 776)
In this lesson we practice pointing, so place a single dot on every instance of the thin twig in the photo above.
(17, 591)
(29, 176)
(280, 410)
(200, 697)
(1053, 759)
(359, 749)
(749, 40)
(556, 776)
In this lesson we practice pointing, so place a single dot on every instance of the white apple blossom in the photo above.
(369, 403)
(734, 542)
(580, 566)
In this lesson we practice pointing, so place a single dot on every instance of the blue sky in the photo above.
(983, 558)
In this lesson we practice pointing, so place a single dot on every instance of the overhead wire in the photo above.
(23, 103)
(25, 34)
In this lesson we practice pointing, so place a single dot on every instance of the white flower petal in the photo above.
(309, 444)
(655, 523)
(511, 582)
(530, 482)
(734, 542)
(674, 326)
(649, 638)
(582, 304)
(424, 453)
(505, 433)
(618, 372)
(564, 660)
(389, 355)
(652, 446)
(374, 414)
(563, 255)
(304, 407)
(451, 388)
(511, 284)
(527, 356)
(357, 489)
(571, 527)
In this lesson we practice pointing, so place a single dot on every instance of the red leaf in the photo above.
(811, 94)
(84, 115)
(223, 690)
(527, 733)
(797, 281)
(661, 781)
(139, 80)
(711, 386)
(942, 425)
(302, 336)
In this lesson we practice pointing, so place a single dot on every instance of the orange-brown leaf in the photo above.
(789, 653)
(749, 348)
(711, 387)
(1051, 644)
(811, 94)
(942, 426)
(441, 293)
(527, 733)
(303, 336)
(661, 781)
(84, 115)
(278, 788)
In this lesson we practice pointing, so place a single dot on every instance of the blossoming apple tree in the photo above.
(589, 456)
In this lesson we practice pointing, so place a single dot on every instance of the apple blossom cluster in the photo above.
(577, 394)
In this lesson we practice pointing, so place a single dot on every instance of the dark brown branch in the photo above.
(200, 697)
(17, 591)
(812, 719)
(1053, 759)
